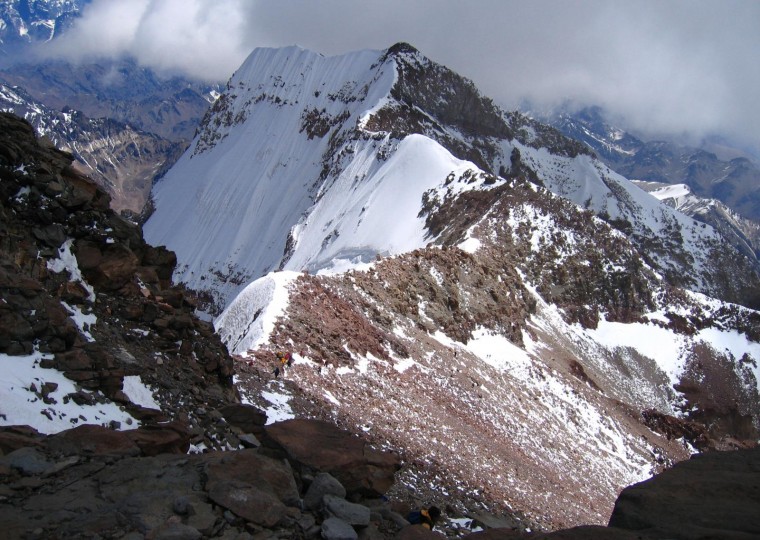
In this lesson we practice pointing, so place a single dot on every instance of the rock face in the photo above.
(713, 495)
(83, 291)
(95, 482)
(397, 352)
(324, 447)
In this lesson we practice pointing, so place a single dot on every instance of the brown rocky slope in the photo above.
(305, 479)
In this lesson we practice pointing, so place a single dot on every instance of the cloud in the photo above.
(200, 38)
(681, 66)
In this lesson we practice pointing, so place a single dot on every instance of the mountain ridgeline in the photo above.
(121, 159)
(721, 177)
(291, 114)
(431, 258)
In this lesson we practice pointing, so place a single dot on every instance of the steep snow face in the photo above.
(309, 161)
(373, 207)
(261, 162)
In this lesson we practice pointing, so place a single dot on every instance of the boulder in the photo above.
(168, 438)
(586, 532)
(249, 467)
(116, 268)
(418, 532)
(324, 447)
(337, 529)
(247, 418)
(175, 530)
(28, 461)
(323, 484)
(89, 439)
(15, 437)
(249, 502)
(713, 495)
(355, 515)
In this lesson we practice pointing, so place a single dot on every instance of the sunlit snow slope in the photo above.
(227, 208)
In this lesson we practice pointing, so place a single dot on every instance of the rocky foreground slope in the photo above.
(85, 296)
(309, 480)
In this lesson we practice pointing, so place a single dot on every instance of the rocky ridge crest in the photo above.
(392, 351)
(113, 313)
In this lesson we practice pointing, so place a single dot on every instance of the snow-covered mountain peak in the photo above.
(307, 160)
(310, 153)
(314, 92)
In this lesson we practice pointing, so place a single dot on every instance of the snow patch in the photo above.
(23, 403)
(138, 393)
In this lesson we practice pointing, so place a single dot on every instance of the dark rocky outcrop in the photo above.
(712, 495)
(322, 446)
(63, 252)
(94, 482)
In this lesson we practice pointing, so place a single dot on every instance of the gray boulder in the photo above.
(337, 529)
(323, 484)
(28, 461)
(356, 515)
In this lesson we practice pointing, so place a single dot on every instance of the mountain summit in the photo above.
(307, 160)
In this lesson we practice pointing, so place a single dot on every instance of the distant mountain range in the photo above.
(735, 181)
(120, 90)
(122, 159)
(124, 124)
(25, 22)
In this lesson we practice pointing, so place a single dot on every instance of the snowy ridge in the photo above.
(306, 160)
(261, 172)
(592, 185)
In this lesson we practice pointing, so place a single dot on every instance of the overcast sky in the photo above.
(690, 67)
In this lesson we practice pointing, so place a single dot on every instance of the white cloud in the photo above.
(201, 38)
(677, 66)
